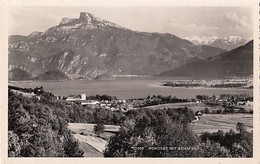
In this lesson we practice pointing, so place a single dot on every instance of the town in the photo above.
(227, 83)
(226, 103)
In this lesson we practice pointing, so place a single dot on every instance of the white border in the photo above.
(5, 4)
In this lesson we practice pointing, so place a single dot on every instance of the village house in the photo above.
(73, 98)
(90, 103)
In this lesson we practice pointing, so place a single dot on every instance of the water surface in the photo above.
(127, 87)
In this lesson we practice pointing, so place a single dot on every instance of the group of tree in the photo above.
(227, 110)
(99, 129)
(156, 100)
(144, 129)
(232, 110)
(78, 114)
(236, 97)
(181, 84)
(229, 85)
(102, 97)
(238, 144)
(38, 128)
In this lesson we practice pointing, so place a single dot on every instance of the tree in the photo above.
(14, 147)
(211, 149)
(38, 129)
(99, 129)
(238, 151)
(148, 97)
(71, 148)
(206, 110)
(241, 127)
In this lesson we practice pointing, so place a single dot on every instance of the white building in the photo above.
(91, 102)
(83, 96)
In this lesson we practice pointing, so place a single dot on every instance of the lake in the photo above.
(127, 87)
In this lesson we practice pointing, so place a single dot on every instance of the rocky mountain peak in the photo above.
(86, 21)
(34, 34)
(66, 20)
(84, 16)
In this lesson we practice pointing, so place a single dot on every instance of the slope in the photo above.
(237, 62)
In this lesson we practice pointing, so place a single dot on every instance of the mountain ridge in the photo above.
(93, 47)
(235, 63)
(226, 43)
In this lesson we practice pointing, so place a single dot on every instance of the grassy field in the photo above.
(92, 145)
(214, 122)
(90, 151)
(192, 105)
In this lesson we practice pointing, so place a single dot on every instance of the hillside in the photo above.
(53, 75)
(209, 51)
(18, 74)
(93, 47)
(237, 62)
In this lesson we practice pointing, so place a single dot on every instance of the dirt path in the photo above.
(92, 145)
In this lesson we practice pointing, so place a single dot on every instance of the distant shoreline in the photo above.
(131, 76)
(207, 88)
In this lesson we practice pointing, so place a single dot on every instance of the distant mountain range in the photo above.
(235, 63)
(227, 43)
(94, 48)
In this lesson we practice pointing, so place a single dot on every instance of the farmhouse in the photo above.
(198, 113)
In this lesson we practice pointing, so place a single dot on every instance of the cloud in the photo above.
(193, 27)
(239, 21)
(202, 28)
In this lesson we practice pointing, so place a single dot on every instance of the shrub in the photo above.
(99, 129)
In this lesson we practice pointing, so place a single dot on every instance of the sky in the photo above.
(185, 22)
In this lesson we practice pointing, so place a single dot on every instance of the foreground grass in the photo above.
(214, 122)
(92, 145)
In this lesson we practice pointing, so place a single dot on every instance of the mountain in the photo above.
(226, 43)
(234, 63)
(93, 47)
(18, 74)
(51, 75)
(209, 51)
(202, 40)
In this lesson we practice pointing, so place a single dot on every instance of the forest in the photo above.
(38, 128)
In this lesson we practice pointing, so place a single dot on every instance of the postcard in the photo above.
(130, 81)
